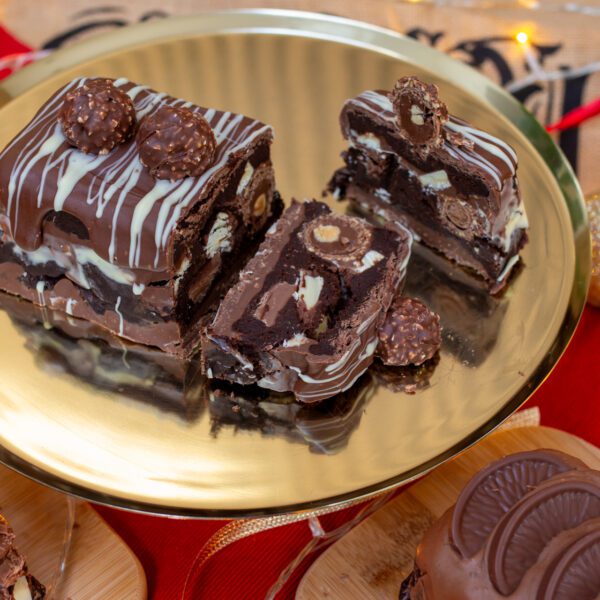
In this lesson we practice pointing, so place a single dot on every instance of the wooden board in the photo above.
(98, 565)
(372, 560)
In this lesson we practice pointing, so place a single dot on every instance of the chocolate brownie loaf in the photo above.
(453, 185)
(526, 527)
(131, 209)
(305, 314)
(15, 581)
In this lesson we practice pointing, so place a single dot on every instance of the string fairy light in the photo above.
(537, 72)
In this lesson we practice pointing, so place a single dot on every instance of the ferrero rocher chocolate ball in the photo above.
(97, 116)
(337, 237)
(175, 143)
(420, 112)
(410, 334)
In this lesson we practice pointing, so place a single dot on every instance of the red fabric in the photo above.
(167, 548)
(10, 45)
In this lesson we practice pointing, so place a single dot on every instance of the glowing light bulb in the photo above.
(522, 37)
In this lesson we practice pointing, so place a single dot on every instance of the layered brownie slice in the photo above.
(15, 581)
(132, 209)
(305, 314)
(453, 185)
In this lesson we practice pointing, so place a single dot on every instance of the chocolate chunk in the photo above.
(337, 237)
(175, 143)
(37, 590)
(410, 334)
(97, 116)
(420, 112)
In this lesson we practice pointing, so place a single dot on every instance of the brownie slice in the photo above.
(132, 209)
(15, 581)
(305, 313)
(453, 185)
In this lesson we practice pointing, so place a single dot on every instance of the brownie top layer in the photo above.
(111, 201)
(462, 143)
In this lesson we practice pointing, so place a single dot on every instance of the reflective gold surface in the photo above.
(294, 70)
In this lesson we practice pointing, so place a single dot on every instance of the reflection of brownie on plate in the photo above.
(305, 314)
(325, 427)
(132, 209)
(15, 581)
(453, 185)
(470, 317)
(64, 344)
(526, 527)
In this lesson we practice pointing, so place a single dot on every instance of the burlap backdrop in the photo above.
(562, 42)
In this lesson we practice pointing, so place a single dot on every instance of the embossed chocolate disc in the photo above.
(557, 505)
(497, 488)
(573, 573)
(337, 237)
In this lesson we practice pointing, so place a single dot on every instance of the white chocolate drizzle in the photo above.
(485, 145)
(110, 180)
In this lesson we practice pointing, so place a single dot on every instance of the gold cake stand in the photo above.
(294, 70)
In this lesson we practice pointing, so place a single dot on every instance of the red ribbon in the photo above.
(577, 116)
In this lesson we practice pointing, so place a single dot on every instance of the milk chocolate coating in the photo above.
(175, 143)
(420, 112)
(558, 504)
(410, 334)
(97, 116)
(528, 529)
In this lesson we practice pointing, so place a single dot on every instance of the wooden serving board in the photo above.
(98, 566)
(372, 560)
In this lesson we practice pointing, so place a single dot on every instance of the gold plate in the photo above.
(294, 70)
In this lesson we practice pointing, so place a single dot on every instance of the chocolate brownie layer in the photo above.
(527, 526)
(305, 313)
(454, 188)
(104, 237)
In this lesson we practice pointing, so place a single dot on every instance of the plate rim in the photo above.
(379, 39)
